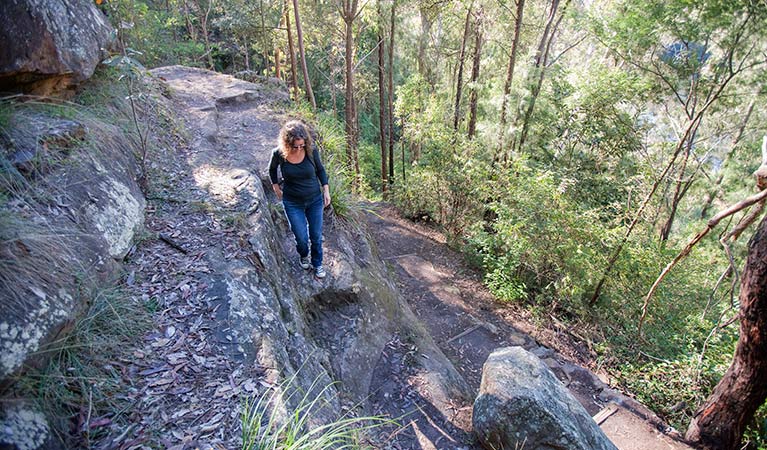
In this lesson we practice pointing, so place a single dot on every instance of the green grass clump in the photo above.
(267, 425)
(82, 384)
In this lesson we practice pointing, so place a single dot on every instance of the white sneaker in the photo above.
(305, 262)
(319, 272)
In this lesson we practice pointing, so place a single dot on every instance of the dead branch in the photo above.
(743, 204)
(171, 242)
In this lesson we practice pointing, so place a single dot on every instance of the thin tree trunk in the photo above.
(302, 55)
(614, 258)
(678, 191)
(277, 66)
(541, 58)
(473, 95)
(509, 77)
(391, 93)
(293, 69)
(265, 43)
(719, 423)
(204, 26)
(461, 58)
(189, 23)
(349, 13)
(382, 105)
(733, 145)
(247, 55)
(424, 67)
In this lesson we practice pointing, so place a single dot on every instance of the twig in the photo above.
(464, 333)
(743, 204)
(168, 240)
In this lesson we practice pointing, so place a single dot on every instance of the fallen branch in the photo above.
(168, 240)
(713, 222)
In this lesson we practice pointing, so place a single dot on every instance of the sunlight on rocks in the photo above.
(222, 184)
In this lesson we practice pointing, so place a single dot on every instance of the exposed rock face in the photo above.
(49, 45)
(93, 210)
(72, 210)
(521, 404)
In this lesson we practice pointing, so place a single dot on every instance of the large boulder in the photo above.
(521, 404)
(71, 216)
(50, 45)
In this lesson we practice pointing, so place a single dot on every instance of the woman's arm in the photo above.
(326, 194)
(273, 164)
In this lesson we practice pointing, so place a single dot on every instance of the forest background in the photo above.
(569, 149)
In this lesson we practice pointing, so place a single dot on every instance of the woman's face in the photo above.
(298, 144)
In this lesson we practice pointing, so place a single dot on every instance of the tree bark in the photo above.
(473, 95)
(382, 105)
(509, 78)
(391, 93)
(349, 14)
(206, 37)
(461, 58)
(719, 423)
(302, 55)
(424, 67)
(247, 53)
(293, 69)
(189, 23)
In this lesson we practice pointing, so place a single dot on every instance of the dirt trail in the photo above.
(467, 324)
(463, 317)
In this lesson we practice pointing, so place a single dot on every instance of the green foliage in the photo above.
(536, 243)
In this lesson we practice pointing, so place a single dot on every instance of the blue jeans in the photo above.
(301, 214)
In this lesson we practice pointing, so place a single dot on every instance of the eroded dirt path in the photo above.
(461, 314)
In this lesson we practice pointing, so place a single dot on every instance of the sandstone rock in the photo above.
(23, 427)
(48, 46)
(48, 139)
(93, 209)
(521, 404)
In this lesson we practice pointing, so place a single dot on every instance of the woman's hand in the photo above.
(277, 190)
(326, 195)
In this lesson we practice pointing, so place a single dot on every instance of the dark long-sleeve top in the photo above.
(301, 180)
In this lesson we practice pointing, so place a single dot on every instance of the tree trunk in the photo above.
(424, 66)
(206, 37)
(349, 13)
(189, 23)
(509, 77)
(541, 57)
(293, 71)
(265, 47)
(247, 55)
(461, 58)
(678, 191)
(719, 423)
(390, 86)
(733, 145)
(382, 106)
(473, 95)
(302, 55)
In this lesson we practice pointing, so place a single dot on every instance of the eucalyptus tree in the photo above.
(302, 55)
(349, 10)
(539, 66)
(519, 14)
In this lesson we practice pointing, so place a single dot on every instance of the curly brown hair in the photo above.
(291, 132)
